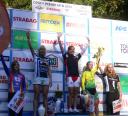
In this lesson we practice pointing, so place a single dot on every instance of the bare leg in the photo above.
(45, 89)
(76, 92)
(36, 98)
(70, 89)
(96, 107)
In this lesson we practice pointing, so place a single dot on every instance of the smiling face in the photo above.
(71, 50)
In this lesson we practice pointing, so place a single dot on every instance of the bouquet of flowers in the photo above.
(98, 54)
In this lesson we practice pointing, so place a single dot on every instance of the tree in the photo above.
(110, 9)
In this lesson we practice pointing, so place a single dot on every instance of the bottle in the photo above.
(41, 110)
(62, 106)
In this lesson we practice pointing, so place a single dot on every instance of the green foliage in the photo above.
(110, 9)
(19, 4)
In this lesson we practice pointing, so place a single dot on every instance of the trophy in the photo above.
(41, 110)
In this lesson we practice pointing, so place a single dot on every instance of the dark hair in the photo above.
(13, 64)
(86, 68)
(69, 47)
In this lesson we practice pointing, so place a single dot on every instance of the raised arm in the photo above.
(59, 42)
(4, 65)
(83, 49)
(29, 44)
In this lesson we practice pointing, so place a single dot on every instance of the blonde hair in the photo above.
(41, 47)
(108, 73)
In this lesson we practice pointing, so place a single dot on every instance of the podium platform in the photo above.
(71, 114)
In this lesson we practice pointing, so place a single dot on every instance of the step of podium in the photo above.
(71, 114)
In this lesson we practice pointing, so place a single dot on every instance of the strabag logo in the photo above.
(19, 59)
(53, 61)
(24, 19)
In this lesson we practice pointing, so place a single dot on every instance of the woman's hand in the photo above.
(21, 94)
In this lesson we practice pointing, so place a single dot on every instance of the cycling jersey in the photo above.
(41, 66)
(16, 80)
(71, 64)
(88, 80)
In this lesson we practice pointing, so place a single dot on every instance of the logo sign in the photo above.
(124, 48)
(53, 60)
(121, 28)
(24, 20)
(51, 23)
(61, 8)
(77, 26)
(20, 41)
(5, 30)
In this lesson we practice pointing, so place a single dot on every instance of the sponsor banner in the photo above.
(76, 41)
(120, 50)
(56, 61)
(61, 8)
(3, 80)
(102, 42)
(24, 58)
(119, 28)
(48, 39)
(5, 28)
(121, 69)
(20, 39)
(124, 83)
(22, 19)
(100, 28)
(52, 23)
(76, 26)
